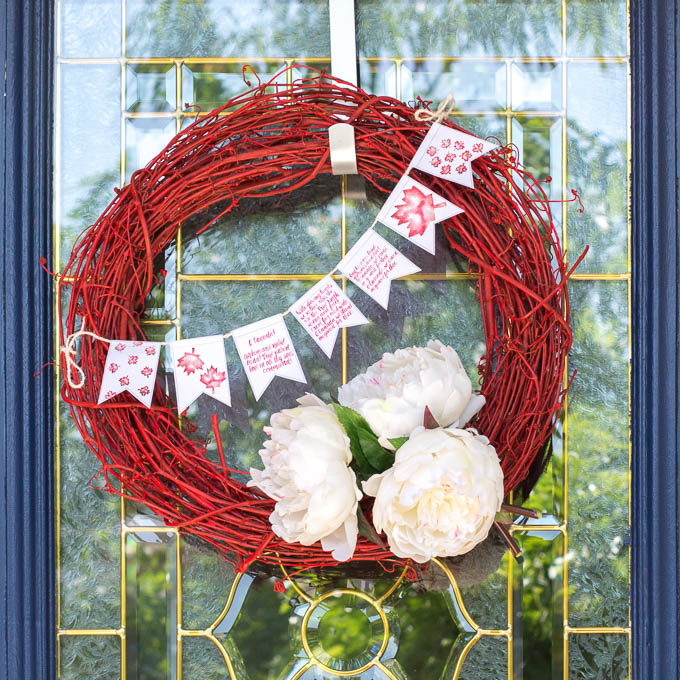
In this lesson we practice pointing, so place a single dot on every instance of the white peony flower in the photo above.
(392, 394)
(306, 472)
(441, 496)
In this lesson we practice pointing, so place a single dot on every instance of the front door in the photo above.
(138, 602)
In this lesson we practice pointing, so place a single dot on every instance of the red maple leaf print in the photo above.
(478, 148)
(144, 391)
(466, 155)
(431, 150)
(133, 359)
(436, 161)
(213, 378)
(110, 394)
(150, 351)
(113, 368)
(449, 157)
(417, 210)
(190, 362)
(137, 343)
(446, 143)
(461, 168)
(124, 380)
(445, 170)
(459, 145)
(119, 347)
(147, 371)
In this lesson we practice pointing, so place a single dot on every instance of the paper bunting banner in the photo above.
(372, 264)
(266, 351)
(448, 153)
(200, 367)
(131, 366)
(412, 211)
(323, 310)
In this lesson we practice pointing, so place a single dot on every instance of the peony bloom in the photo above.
(441, 496)
(306, 472)
(392, 394)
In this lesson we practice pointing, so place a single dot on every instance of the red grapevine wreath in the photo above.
(268, 142)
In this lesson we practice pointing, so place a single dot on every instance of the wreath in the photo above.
(268, 142)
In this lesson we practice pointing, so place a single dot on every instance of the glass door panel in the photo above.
(139, 602)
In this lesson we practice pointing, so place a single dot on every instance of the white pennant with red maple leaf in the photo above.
(200, 367)
(131, 366)
(372, 263)
(323, 310)
(266, 350)
(412, 210)
(448, 153)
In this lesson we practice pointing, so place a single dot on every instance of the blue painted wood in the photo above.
(27, 591)
(655, 404)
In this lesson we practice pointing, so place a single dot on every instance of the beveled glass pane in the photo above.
(597, 29)
(597, 164)
(487, 660)
(476, 86)
(95, 657)
(151, 605)
(89, 544)
(598, 657)
(295, 234)
(151, 87)
(536, 86)
(441, 28)
(145, 138)
(598, 456)
(203, 659)
(90, 28)
(378, 77)
(212, 85)
(89, 146)
(227, 28)
(539, 143)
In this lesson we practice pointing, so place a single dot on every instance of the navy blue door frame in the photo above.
(27, 569)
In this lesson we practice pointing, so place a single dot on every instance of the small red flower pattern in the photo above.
(436, 161)
(147, 371)
(124, 381)
(110, 394)
(144, 391)
(119, 347)
(478, 148)
(446, 170)
(190, 362)
(461, 168)
(133, 359)
(213, 378)
(445, 143)
(459, 145)
(450, 157)
(431, 150)
(150, 351)
(137, 343)
(113, 367)
(466, 155)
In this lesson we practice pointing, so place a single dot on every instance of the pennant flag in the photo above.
(200, 366)
(448, 153)
(131, 366)
(372, 264)
(323, 310)
(266, 351)
(412, 211)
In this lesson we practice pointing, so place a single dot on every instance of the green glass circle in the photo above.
(344, 633)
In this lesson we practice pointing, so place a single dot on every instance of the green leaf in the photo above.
(398, 442)
(367, 530)
(369, 456)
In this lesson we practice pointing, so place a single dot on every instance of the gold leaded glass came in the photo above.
(139, 602)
